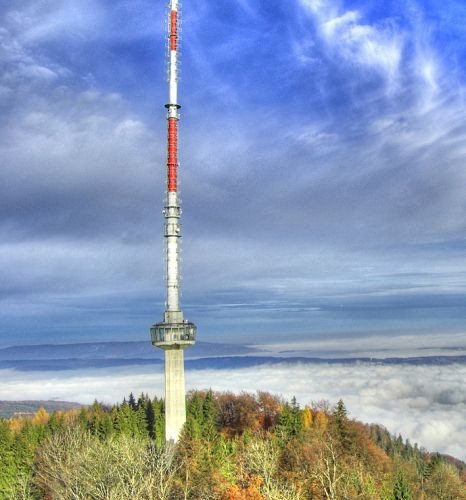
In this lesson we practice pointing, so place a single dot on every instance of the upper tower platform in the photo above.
(173, 335)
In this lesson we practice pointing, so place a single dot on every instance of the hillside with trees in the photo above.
(233, 447)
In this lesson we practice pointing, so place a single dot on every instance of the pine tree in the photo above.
(132, 402)
(296, 418)
(123, 420)
(55, 422)
(105, 427)
(141, 422)
(342, 427)
(290, 422)
(83, 419)
(159, 426)
(142, 401)
(194, 417)
(210, 415)
(150, 418)
(284, 423)
(23, 446)
(8, 469)
(401, 489)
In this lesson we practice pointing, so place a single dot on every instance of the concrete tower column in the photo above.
(175, 401)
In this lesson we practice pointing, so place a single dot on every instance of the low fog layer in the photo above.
(426, 404)
(370, 346)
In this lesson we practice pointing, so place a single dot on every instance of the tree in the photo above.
(132, 402)
(150, 418)
(327, 470)
(321, 421)
(8, 469)
(41, 417)
(209, 414)
(290, 423)
(444, 483)
(261, 460)
(159, 426)
(296, 417)
(105, 427)
(401, 490)
(55, 422)
(307, 417)
(194, 416)
(74, 464)
(342, 426)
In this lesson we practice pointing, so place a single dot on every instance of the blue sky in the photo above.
(323, 171)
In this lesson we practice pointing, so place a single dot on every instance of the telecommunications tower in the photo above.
(174, 333)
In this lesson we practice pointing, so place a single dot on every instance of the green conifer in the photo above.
(210, 415)
(401, 489)
(132, 402)
(150, 418)
(342, 426)
(8, 469)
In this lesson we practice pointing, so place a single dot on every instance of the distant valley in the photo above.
(203, 355)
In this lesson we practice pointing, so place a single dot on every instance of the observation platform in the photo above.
(173, 335)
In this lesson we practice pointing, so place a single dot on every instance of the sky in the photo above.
(322, 170)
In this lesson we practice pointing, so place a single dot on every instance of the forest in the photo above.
(233, 447)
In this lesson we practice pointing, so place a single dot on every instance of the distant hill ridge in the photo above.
(9, 409)
(115, 350)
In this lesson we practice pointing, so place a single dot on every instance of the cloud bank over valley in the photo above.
(426, 404)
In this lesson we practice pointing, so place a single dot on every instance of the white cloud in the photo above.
(373, 46)
(426, 404)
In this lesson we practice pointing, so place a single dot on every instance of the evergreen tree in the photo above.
(194, 416)
(159, 426)
(123, 419)
(401, 489)
(96, 407)
(284, 425)
(83, 419)
(23, 446)
(296, 415)
(290, 422)
(132, 402)
(105, 427)
(55, 422)
(8, 469)
(342, 427)
(209, 416)
(141, 422)
(142, 401)
(150, 418)
(398, 445)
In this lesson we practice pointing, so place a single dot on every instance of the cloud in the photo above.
(314, 199)
(377, 46)
(424, 403)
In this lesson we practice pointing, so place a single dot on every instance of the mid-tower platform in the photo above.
(171, 335)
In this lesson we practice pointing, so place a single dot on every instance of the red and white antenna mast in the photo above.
(172, 211)
(174, 333)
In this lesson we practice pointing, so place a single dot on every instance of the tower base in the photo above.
(175, 401)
